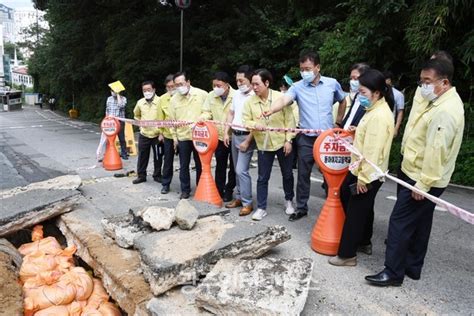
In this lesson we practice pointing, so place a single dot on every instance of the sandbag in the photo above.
(48, 245)
(73, 309)
(81, 280)
(98, 296)
(37, 233)
(39, 261)
(35, 263)
(109, 309)
(59, 293)
(89, 311)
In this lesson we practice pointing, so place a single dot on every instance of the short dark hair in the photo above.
(221, 76)
(264, 74)
(148, 82)
(374, 80)
(443, 68)
(181, 73)
(388, 74)
(246, 70)
(443, 55)
(311, 56)
(360, 67)
(169, 78)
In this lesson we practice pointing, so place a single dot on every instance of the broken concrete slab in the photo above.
(264, 286)
(186, 215)
(158, 217)
(177, 301)
(66, 182)
(11, 295)
(124, 229)
(176, 257)
(204, 209)
(31, 207)
(118, 268)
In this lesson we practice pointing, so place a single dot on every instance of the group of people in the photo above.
(372, 110)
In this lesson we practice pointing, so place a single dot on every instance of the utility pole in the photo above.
(182, 4)
(181, 42)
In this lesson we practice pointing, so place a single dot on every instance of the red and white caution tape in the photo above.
(453, 209)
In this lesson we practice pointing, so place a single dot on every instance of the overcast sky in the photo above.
(17, 3)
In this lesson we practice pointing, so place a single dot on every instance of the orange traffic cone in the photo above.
(205, 139)
(110, 127)
(333, 160)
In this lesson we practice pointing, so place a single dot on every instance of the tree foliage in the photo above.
(92, 43)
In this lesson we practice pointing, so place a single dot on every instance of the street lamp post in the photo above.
(182, 4)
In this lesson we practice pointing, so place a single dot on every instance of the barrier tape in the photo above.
(176, 123)
(453, 209)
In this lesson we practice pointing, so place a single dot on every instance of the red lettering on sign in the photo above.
(327, 146)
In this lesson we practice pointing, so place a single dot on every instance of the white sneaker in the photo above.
(289, 208)
(259, 214)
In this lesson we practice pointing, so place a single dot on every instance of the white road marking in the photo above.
(437, 208)
(316, 179)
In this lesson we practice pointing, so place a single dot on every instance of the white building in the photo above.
(23, 19)
(8, 23)
(20, 77)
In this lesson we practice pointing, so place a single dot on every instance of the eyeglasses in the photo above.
(420, 83)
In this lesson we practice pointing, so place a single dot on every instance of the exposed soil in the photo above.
(11, 296)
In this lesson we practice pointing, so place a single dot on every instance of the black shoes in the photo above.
(383, 279)
(157, 179)
(297, 215)
(367, 249)
(139, 180)
(184, 196)
(412, 275)
(165, 189)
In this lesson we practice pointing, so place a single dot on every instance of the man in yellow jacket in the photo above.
(147, 108)
(216, 107)
(430, 147)
(186, 105)
(167, 142)
(269, 144)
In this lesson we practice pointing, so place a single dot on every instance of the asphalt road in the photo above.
(38, 144)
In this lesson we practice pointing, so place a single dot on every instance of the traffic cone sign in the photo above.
(110, 127)
(333, 159)
(205, 139)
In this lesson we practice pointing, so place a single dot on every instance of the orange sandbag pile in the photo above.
(53, 286)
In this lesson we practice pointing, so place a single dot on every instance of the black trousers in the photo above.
(305, 166)
(409, 231)
(185, 149)
(168, 159)
(144, 146)
(224, 158)
(359, 222)
(121, 137)
(158, 152)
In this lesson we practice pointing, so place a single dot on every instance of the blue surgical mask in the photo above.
(354, 85)
(308, 76)
(364, 101)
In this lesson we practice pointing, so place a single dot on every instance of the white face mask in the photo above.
(219, 91)
(113, 94)
(148, 95)
(244, 88)
(183, 90)
(308, 76)
(427, 92)
(354, 85)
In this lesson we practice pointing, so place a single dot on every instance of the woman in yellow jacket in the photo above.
(373, 138)
(269, 144)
